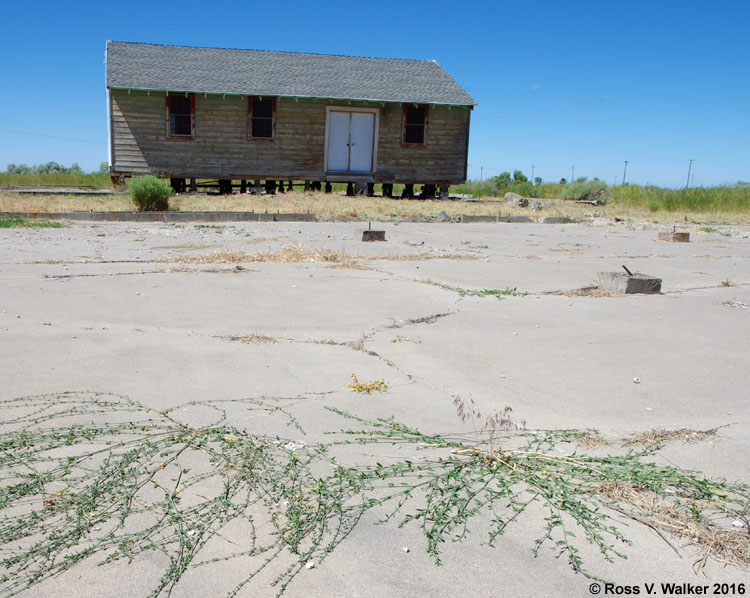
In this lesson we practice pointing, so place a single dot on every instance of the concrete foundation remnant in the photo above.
(675, 237)
(373, 235)
(622, 282)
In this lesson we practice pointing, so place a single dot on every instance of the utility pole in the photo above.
(624, 171)
(532, 173)
(690, 166)
(573, 173)
(481, 174)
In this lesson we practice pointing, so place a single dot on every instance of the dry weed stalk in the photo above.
(660, 436)
(252, 339)
(296, 253)
(590, 439)
(591, 291)
(367, 386)
(678, 518)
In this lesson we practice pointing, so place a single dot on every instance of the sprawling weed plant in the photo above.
(89, 476)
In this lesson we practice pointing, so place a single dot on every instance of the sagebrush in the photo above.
(149, 193)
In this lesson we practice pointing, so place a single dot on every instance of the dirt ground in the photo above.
(138, 310)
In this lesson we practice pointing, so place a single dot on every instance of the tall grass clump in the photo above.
(149, 193)
(697, 199)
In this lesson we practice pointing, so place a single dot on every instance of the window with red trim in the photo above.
(180, 115)
(261, 117)
(415, 124)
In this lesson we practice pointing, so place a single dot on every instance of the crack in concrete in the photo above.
(232, 270)
(356, 345)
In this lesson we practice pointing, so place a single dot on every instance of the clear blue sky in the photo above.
(559, 84)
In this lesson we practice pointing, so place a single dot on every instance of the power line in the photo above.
(31, 134)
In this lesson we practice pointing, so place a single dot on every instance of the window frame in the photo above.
(250, 100)
(171, 135)
(426, 108)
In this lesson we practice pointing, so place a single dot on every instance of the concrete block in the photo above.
(166, 216)
(471, 218)
(373, 235)
(675, 237)
(621, 282)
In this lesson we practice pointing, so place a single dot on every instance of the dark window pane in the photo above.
(415, 116)
(179, 105)
(262, 108)
(262, 127)
(180, 124)
(180, 115)
(414, 133)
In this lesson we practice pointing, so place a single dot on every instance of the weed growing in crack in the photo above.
(659, 436)
(493, 424)
(497, 293)
(101, 476)
(367, 387)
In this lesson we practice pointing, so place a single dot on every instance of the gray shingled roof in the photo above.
(266, 73)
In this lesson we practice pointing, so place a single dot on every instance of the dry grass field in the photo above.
(337, 206)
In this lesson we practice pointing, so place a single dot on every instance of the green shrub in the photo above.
(583, 189)
(149, 193)
(523, 188)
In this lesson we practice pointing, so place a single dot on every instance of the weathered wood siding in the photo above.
(221, 149)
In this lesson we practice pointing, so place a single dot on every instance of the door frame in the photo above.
(376, 125)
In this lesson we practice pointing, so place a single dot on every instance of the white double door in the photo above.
(352, 140)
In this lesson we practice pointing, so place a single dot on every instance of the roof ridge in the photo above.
(274, 51)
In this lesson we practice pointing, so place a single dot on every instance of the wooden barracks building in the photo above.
(190, 113)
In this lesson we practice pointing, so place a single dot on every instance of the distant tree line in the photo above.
(52, 168)
(505, 179)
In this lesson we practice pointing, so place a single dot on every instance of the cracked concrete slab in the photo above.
(95, 307)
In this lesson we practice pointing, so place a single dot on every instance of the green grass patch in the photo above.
(25, 223)
(711, 229)
(697, 199)
(726, 198)
(63, 179)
